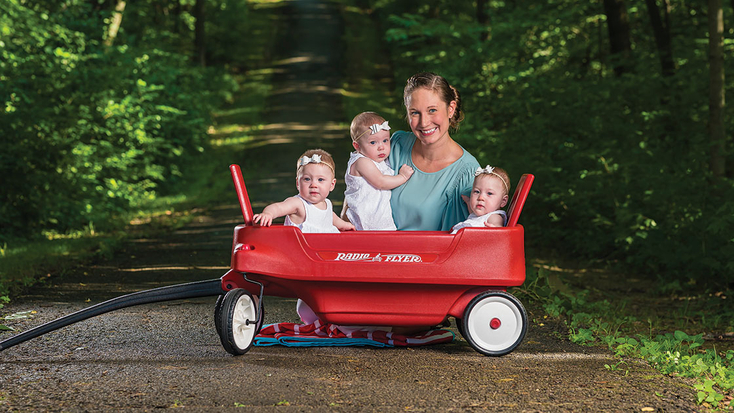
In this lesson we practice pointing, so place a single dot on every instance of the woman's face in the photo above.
(429, 116)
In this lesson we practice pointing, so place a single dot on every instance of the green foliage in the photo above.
(95, 130)
(620, 161)
(677, 353)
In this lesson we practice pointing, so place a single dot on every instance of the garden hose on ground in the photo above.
(174, 292)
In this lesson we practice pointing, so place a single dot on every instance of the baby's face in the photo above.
(375, 147)
(315, 182)
(487, 195)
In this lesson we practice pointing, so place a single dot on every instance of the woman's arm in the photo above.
(365, 168)
(291, 206)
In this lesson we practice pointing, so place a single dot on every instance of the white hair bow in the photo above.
(486, 170)
(378, 127)
(489, 170)
(313, 159)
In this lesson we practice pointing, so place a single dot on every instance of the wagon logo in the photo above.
(370, 257)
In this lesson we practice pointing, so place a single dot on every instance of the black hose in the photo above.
(173, 292)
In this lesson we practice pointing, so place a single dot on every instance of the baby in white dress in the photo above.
(310, 210)
(369, 177)
(489, 193)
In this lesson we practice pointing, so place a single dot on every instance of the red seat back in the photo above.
(518, 199)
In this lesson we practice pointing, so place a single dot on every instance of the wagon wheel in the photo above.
(218, 314)
(237, 321)
(494, 323)
(460, 326)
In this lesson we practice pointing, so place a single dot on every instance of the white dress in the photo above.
(368, 207)
(317, 220)
(476, 221)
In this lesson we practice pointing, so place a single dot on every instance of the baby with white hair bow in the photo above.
(310, 210)
(369, 177)
(489, 193)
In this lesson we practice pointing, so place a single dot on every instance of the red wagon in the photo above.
(374, 278)
(379, 278)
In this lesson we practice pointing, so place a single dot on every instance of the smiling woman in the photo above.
(431, 199)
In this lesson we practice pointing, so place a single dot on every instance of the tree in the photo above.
(717, 131)
(661, 30)
(199, 32)
(115, 24)
(483, 19)
(620, 45)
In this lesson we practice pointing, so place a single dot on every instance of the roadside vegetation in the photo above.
(116, 129)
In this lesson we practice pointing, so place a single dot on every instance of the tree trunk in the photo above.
(716, 88)
(483, 19)
(663, 39)
(199, 32)
(177, 16)
(115, 24)
(620, 45)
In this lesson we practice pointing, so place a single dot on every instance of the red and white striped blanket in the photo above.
(317, 334)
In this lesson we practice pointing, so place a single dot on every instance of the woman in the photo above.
(431, 199)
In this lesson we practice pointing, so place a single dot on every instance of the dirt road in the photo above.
(168, 355)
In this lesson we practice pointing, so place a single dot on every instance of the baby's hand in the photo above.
(406, 171)
(347, 226)
(265, 219)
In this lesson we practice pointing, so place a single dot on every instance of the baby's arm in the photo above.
(367, 169)
(342, 225)
(291, 206)
(495, 220)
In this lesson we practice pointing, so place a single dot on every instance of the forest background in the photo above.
(617, 107)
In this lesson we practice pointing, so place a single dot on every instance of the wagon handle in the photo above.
(239, 186)
(518, 199)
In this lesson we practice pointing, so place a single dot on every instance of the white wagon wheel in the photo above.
(239, 321)
(494, 323)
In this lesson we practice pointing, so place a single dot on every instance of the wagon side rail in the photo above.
(239, 186)
(519, 198)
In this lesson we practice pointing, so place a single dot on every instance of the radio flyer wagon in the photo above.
(377, 278)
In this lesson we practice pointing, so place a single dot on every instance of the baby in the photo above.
(369, 177)
(310, 210)
(489, 193)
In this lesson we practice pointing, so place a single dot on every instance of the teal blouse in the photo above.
(429, 201)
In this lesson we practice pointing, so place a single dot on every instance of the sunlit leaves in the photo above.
(95, 130)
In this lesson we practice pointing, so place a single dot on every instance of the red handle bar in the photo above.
(239, 186)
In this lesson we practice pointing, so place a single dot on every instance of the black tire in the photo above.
(494, 323)
(218, 314)
(460, 327)
(237, 324)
